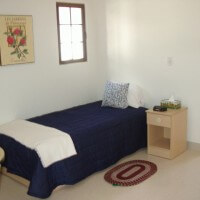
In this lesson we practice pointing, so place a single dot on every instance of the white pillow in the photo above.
(135, 96)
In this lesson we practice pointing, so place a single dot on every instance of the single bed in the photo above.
(102, 136)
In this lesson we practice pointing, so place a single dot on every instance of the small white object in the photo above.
(171, 99)
(50, 144)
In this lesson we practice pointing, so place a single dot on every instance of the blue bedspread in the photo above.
(101, 135)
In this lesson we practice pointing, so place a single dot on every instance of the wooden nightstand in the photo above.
(167, 132)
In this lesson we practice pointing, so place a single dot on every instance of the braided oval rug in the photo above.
(130, 173)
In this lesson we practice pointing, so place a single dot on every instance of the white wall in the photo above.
(142, 34)
(32, 89)
(132, 38)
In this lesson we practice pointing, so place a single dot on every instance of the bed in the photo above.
(101, 135)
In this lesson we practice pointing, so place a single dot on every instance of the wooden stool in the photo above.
(2, 156)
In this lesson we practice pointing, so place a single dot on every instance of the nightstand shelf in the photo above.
(167, 132)
(162, 143)
(159, 136)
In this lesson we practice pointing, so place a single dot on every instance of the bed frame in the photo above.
(21, 180)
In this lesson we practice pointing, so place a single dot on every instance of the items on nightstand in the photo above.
(170, 103)
(159, 109)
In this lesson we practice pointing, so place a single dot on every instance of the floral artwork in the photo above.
(16, 40)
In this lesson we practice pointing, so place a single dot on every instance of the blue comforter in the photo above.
(101, 135)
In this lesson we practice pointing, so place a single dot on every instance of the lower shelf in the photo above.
(163, 143)
(158, 151)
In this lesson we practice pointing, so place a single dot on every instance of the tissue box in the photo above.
(176, 104)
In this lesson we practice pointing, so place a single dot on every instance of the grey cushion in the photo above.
(115, 95)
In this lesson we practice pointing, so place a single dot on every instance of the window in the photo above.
(71, 32)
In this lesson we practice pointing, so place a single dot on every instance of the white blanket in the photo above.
(50, 144)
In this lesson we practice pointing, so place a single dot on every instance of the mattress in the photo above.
(101, 135)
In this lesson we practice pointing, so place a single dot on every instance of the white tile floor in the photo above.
(177, 179)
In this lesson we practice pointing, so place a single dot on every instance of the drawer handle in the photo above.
(158, 120)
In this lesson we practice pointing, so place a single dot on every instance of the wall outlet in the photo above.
(170, 61)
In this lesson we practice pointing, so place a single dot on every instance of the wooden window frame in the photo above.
(72, 5)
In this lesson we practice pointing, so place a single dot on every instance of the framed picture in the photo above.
(16, 39)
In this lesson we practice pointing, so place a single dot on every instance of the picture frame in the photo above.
(16, 39)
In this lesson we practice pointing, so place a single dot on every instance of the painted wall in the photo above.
(33, 89)
(156, 44)
(153, 43)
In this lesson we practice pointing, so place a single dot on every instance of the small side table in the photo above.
(2, 156)
(167, 132)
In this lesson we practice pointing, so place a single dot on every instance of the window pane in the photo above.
(77, 33)
(66, 52)
(76, 14)
(71, 25)
(65, 34)
(64, 15)
(77, 50)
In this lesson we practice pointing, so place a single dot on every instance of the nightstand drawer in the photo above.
(158, 120)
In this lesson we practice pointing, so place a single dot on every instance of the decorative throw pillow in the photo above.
(115, 95)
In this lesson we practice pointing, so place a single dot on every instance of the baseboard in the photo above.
(194, 146)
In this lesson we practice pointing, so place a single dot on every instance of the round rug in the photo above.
(130, 173)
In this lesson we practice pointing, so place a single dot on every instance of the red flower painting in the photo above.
(16, 39)
(10, 40)
(23, 41)
(17, 31)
